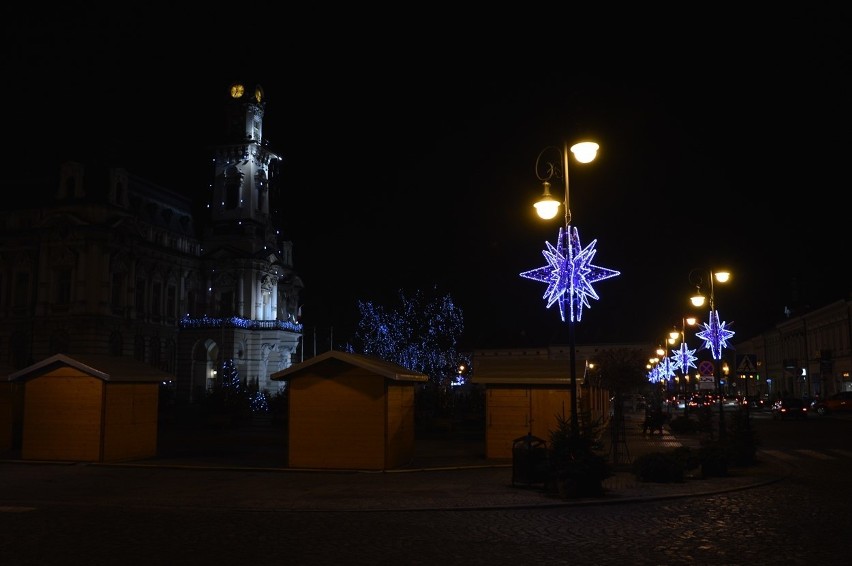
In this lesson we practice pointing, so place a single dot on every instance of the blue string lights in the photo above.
(715, 335)
(684, 358)
(237, 322)
(569, 273)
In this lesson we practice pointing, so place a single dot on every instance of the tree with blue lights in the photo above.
(230, 399)
(230, 378)
(419, 333)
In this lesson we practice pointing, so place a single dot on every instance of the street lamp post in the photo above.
(667, 366)
(569, 274)
(715, 333)
(683, 356)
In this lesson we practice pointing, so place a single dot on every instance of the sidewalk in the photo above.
(444, 474)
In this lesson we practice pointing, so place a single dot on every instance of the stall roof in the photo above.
(521, 370)
(108, 368)
(386, 369)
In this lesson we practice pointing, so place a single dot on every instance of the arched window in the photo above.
(233, 187)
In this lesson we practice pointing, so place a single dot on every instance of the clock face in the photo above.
(237, 90)
(258, 94)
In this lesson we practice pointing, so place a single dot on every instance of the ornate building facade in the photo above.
(109, 263)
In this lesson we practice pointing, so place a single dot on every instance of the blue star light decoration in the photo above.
(715, 335)
(683, 359)
(666, 369)
(569, 273)
(654, 374)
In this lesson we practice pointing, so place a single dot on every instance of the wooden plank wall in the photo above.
(337, 419)
(63, 416)
(513, 411)
(400, 424)
(6, 415)
(130, 431)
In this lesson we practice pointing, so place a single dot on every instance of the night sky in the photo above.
(409, 152)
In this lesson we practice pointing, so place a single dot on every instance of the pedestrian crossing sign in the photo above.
(746, 363)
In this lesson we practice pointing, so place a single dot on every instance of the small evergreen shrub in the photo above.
(659, 467)
(713, 455)
(741, 440)
(577, 469)
(683, 425)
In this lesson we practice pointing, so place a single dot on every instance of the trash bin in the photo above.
(529, 460)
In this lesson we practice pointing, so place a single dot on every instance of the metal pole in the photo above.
(575, 420)
(717, 367)
(748, 402)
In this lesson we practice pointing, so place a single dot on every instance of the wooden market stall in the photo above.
(89, 408)
(349, 411)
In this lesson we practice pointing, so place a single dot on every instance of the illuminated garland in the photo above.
(237, 322)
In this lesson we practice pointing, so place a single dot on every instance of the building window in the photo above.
(171, 302)
(140, 298)
(191, 307)
(233, 184)
(60, 342)
(62, 287)
(155, 350)
(22, 289)
(226, 303)
(116, 344)
(117, 292)
(156, 298)
(139, 349)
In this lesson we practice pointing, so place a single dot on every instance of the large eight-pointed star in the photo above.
(569, 273)
(715, 335)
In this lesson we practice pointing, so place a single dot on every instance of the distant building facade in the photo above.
(807, 354)
(109, 263)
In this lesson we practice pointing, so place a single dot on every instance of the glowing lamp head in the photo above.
(697, 300)
(584, 152)
(547, 206)
(722, 276)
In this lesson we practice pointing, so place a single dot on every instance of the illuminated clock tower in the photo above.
(251, 290)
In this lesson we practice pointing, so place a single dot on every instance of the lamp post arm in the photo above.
(565, 171)
(712, 293)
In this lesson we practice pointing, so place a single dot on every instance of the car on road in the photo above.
(835, 403)
(789, 408)
(756, 403)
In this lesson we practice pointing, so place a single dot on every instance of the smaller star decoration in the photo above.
(666, 369)
(683, 359)
(569, 273)
(654, 374)
(715, 335)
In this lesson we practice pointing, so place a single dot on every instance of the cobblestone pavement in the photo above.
(442, 475)
(447, 507)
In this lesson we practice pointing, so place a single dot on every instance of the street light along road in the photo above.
(715, 333)
(569, 273)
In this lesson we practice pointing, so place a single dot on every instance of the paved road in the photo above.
(141, 514)
(144, 518)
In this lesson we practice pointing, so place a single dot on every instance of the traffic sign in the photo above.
(706, 367)
(746, 363)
